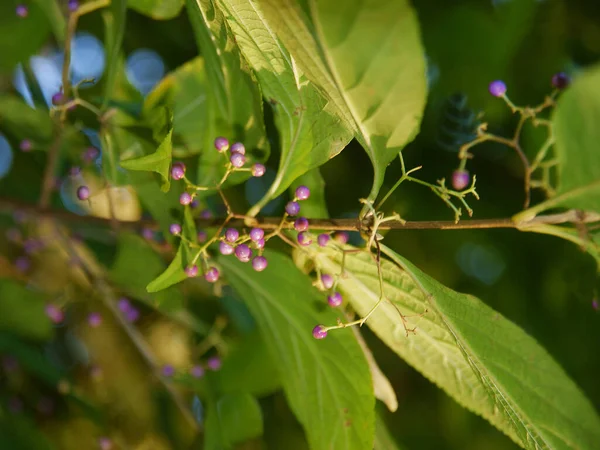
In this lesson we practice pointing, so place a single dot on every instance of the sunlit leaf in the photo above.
(23, 122)
(174, 273)
(114, 26)
(157, 9)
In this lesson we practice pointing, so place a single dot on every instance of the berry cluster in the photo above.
(213, 364)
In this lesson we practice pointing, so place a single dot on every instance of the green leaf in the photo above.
(159, 161)
(316, 205)
(481, 359)
(114, 31)
(309, 129)
(383, 438)
(110, 158)
(23, 122)
(22, 312)
(327, 383)
(157, 9)
(233, 98)
(368, 60)
(240, 417)
(56, 18)
(174, 273)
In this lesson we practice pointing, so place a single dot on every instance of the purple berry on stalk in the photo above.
(132, 315)
(178, 171)
(327, 281)
(257, 234)
(73, 5)
(232, 235)
(25, 145)
(90, 154)
(323, 239)
(258, 170)
(460, 179)
(319, 332)
(94, 320)
(191, 271)
(75, 171)
(497, 88)
(214, 363)
(237, 160)
(238, 147)
(259, 263)
(58, 99)
(212, 275)
(243, 253)
(302, 192)
(197, 371)
(83, 193)
(185, 199)
(260, 244)
(561, 80)
(304, 238)
(22, 11)
(175, 229)
(105, 443)
(335, 300)
(225, 248)
(221, 144)
(124, 304)
(195, 203)
(202, 236)
(54, 313)
(22, 263)
(168, 370)
(292, 208)
(301, 224)
(342, 237)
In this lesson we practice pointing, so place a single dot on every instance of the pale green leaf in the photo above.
(23, 122)
(22, 312)
(174, 273)
(484, 361)
(240, 417)
(327, 382)
(157, 9)
(56, 18)
(114, 31)
(383, 438)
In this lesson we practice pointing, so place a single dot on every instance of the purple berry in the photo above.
(22, 11)
(595, 304)
(238, 147)
(83, 193)
(259, 263)
(54, 313)
(90, 154)
(256, 234)
(232, 235)
(319, 332)
(260, 243)
(32, 245)
(195, 203)
(197, 371)
(147, 234)
(185, 199)
(304, 238)
(124, 304)
(237, 160)
(75, 171)
(225, 248)
(221, 144)
(214, 363)
(202, 236)
(73, 5)
(94, 319)
(175, 229)
(561, 80)
(22, 263)
(335, 300)
(292, 208)
(327, 281)
(342, 237)
(460, 179)
(191, 271)
(25, 145)
(105, 443)
(132, 315)
(258, 170)
(178, 171)
(323, 239)
(497, 88)
(168, 370)
(243, 253)
(212, 275)
(58, 99)
(302, 192)
(206, 214)
(301, 224)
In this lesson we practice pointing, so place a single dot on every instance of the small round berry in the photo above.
(319, 332)
(168, 370)
(175, 229)
(202, 236)
(323, 239)
(94, 319)
(301, 224)
(22, 263)
(497, 88)
(237, 160)
(147, 234)
(238, 147)
(58, 99)
(232, 235)
(259, 263)
(595, 304)
(327, 281)
(32, 245)
(83, 192)
(214, 363)
(73, 5)
(25, 145)
(54, 313)
(292, 208)
(124, 304)
(256, 234)
(197, 371)
(335, 300)
(178, 171)
(561, 80)
(243, 253)
(185, 199)
(105, 443)
(22, 11)
(221, 144)
(191, 271)
(302, 192)
(342, 237)
(212, 275)
(225, 248)
(460, 179)
(260, 244)
(132, 315)
(206, 214)
(195, 203)
(75, 171)
(304, 238)
(258, 170)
